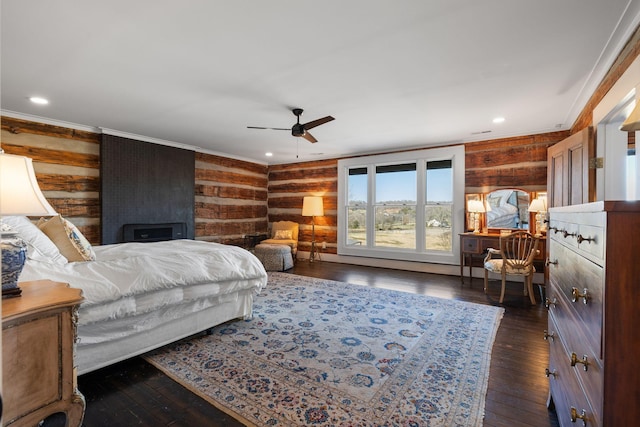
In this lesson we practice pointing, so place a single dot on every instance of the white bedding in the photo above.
(129, 278)
(139, 296)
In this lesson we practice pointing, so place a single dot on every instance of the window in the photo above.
(405, 206)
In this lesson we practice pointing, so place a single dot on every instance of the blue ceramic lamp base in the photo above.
(14, 255)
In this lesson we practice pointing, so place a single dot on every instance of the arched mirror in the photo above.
(507, 208)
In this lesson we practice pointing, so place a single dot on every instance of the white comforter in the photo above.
(131, 278)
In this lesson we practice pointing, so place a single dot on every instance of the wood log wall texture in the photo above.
(289, 183)
(231, 199)
(67, 166)
(230, 195)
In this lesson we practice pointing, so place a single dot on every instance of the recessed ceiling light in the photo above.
(38, 100)
(498, 120)
(268, 154)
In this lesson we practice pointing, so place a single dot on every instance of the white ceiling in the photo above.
(394, 74)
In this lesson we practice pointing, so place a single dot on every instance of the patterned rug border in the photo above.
(275, 277)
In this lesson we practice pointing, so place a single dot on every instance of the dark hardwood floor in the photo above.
(135, 393)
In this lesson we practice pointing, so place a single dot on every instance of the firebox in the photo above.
(154, 232)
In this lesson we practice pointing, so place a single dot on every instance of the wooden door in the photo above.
(570, 181)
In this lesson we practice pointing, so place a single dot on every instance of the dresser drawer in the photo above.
(564, 385)
(584, 232)
(471, 245)
(566, 327)
(568, 271)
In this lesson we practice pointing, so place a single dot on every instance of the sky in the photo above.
(393, 186)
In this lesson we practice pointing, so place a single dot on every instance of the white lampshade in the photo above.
(632, 123)
(19, 190)
(312, 206)
(538, 205)
(475, 206)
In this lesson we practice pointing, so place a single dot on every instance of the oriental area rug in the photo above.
(326, 353)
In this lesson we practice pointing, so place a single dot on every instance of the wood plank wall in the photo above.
(519, 162)
(67, 166)
(231, 195)
(231, 199)
(289, 183)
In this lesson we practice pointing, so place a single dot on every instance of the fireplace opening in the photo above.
(154, 232)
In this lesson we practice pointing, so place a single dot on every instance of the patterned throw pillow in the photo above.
(40, 247)
(72, 244)
(283, 235)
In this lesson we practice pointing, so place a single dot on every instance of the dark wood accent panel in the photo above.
(70, 183)
(230, 177)
(144, 183)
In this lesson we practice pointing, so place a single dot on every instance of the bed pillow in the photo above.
(283, 235)
(69, 240)
(39, 246)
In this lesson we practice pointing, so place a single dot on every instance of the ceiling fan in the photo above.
(300, 129)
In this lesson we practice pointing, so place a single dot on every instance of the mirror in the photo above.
(507, 208)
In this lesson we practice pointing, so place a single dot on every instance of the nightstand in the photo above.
(38, 344)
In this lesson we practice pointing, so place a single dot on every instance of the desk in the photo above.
(476, 245)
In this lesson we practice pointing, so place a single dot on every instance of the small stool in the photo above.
(274, 257)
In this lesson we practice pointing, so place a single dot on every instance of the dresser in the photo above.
(38, 339)
(594, 313)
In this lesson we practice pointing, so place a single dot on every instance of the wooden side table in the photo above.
(38, 340)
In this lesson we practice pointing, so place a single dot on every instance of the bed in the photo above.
(140, 296)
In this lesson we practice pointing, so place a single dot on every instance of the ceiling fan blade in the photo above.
(317, 122)
(309, 137)
(260, 127)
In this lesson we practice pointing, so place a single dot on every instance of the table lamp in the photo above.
(476, 207)
(19, 195)
(539, 206)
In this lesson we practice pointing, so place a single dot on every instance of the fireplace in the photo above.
(154, 232)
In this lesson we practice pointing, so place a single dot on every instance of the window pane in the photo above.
(396, 184)
(357, 195)
(357, 225)
(396, 226)
(439, 206)
(438, 227)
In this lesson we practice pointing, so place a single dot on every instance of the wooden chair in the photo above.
(517, 252)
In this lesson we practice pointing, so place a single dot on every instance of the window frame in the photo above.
(420, 157)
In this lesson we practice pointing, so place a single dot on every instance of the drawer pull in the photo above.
(566, 234)
(548, 373)
(575, 416)
(584, 361)
(576, 295)
(559, 230)
(549, 336)
(548, 262)
(548, 302)
(552, 228)
(585, 239)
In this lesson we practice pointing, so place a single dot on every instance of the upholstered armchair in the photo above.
(284, 233)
